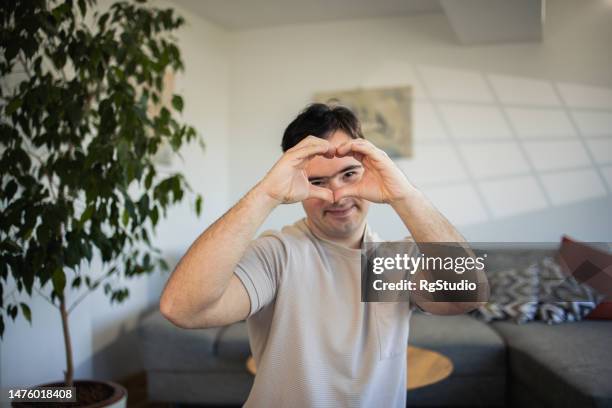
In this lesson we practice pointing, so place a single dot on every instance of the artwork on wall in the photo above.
(385, 115)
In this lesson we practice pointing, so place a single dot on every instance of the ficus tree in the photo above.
(78, 142)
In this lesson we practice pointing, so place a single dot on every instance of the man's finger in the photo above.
(359, 148)
(307, 141)
(324, 149)
(321, 193)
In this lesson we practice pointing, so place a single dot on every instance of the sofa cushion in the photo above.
(589, 264)
(566, 365)
(562, 297)
(514, 295)
(603, 311)
(202, 389)
(167, 347)
(512, 256)
(473, 347)
(233, 342)
(461, 391)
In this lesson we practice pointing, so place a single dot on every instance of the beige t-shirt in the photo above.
(314, 342)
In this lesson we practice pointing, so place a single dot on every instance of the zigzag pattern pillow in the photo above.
(562, 297)
(514, 296)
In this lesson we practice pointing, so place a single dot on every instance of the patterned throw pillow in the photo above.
(514, 296)
(562, 297)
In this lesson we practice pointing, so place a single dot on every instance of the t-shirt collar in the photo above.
(368, 236)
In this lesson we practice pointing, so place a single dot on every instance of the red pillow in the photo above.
(603, 311)
(590, 266)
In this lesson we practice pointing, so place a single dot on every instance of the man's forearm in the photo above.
(204, 272)
(423, 220)
(427, 225)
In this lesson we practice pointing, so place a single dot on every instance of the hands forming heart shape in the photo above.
(382, 181)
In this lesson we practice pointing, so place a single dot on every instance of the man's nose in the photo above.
(336, 183)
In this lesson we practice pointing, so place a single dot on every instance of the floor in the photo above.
(136, 386)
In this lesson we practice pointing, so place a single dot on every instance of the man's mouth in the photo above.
(341, 211)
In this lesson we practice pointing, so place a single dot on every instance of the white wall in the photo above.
(105, 345)
(512, 142)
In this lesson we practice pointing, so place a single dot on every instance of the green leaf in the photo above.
(59, 281)
(131, 209)
(143, 206)
(27, 313)
(125, 219)
(12, 310)
(111, 271)
(177, 103)
(82, 7)
(102, 22)
(149, 178)
(154, 214)
(198, 205)
(163, 265)
(87, 214)
(10, 190)
(119, 295)
(76, 283)
(12, 106)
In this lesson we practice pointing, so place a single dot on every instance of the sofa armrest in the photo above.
(168, 347)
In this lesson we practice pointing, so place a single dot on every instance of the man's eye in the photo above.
(350, 174)
(316, 183)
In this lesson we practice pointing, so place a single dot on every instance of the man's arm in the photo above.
(203, 290)
(427, 224)
(384, 182)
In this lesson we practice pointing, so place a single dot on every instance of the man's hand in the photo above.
(382, 180)
(287, 181)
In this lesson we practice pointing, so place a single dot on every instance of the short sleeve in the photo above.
(413, 305)
(260, 270)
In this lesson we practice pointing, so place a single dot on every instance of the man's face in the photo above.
(345, 218)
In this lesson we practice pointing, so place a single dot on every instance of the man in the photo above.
(313, 340)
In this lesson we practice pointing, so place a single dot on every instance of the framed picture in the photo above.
(385, 115)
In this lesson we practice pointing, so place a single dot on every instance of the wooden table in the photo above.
(425, 367)
(251, 365)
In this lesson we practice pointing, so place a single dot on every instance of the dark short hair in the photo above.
(321, 120)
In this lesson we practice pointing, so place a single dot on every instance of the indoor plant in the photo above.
(78, 142)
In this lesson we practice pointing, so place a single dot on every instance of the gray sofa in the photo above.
(498, 364)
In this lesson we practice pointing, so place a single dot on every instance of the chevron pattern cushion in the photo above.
(514, 296)
(562, 297)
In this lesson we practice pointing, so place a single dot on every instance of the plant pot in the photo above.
(90, 394)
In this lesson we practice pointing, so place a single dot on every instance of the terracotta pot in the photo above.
(90, 394)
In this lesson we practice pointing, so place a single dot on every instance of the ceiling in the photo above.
(473, 21)
(248, 14)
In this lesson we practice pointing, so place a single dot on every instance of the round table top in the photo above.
(425, 367)
(251, 365)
